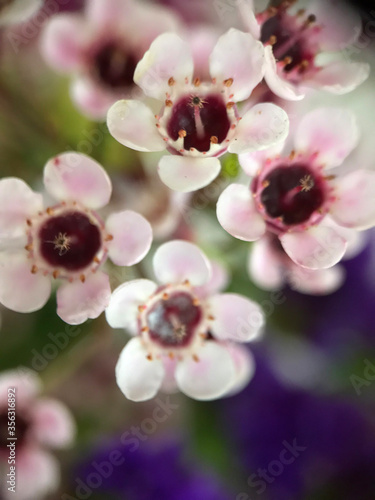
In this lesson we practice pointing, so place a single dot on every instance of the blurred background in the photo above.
(304, 428)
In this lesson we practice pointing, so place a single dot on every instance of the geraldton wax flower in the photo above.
(298, 194)
(185, 333)
(295, 39)
(67, 242)
(199, 120)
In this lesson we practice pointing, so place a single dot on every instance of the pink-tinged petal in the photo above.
(247, 11)
(276, 83)
(122, 311)
(210, 376)
(319, 247)
(168, 57)
(17, 203)
(236, 317)
(261, 127)
(108, 13)
(186, 174)
(77, 177)
(245, 367)
(18, 11)
(63, 42)
(237, 213)
(264, 267)
(169, 383)
(132, 237)
(37, 473)
(177, 261)
(357, 241)
(133, 124)
(77, 301)
(253, 162)
(20, 289)
(317, 281)
(91, 99)
(332, 132)
(53, 424)
(202, 40)
(26, 382)
(355, 200)
(238, 56)
(138, 377)
(340, 77)
(219, 281)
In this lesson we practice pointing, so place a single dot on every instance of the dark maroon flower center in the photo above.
(114, 67)
(21, 424)
(292, 193)
(172, 322)
(200, 121)
(70, 241)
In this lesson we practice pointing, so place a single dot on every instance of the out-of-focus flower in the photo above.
(294, 40)
(17, 11)
(185, 333)
(170, 476)
(300, 197)
(102, 47)
(40, 423)
(67, 241)
(199, 120)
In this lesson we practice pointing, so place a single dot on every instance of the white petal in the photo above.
(168, 57)
(138, 377)
(261, 127)
(317, 281)
(20, 289)
(332, 132)
(122, 311)
(187, 174)
(92, 99)
(340, 77)
(26, 381)
(247, 11)
(132, 237)
(264, 267)
(77, 177)
(238, 56)
(133, 124)
(177, 261)
(77, 301)
(245, 367)
(53, 423)
(355, 203)
(254, 161)
(319, 247)
(238, 215)
(236, 317)
(208, 378)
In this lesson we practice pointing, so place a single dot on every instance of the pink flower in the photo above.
(185, 333)
(101, 49)
(67, 241)
(292, 196)
(294, 40)
(40, 423)
(199, 120)
(17, 11)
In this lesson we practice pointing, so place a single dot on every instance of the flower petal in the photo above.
(91, 99)
(18, 202)
(168, 57)
(132, 237)
(77, 301)
(219, 280)
(133, 124)
(332, 132)
(238, 215)
(209, 377)
(138, 377)
(187, 174)
(317, 281)
(245, 367)
(247, 12)
(122, 311)
(77, 177)
(319, 247)
(276, 83)
(240, 57)
(27, 383)
(340, 77)
(236, 317)
(107, 14)
(20, 289)
(264, 267)
(254, 161)
(53, 424)
(63, 42)
(261, 127)
(355, 200)
(177, 261)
